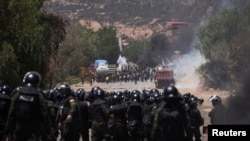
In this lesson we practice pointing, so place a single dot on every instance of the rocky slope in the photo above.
(141, 19)
(136, 19)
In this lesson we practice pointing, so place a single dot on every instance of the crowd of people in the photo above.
(132, 74)
(31, 113)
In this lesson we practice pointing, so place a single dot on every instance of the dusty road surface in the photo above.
(189, 83)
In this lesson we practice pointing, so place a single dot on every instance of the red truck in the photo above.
(164, 77)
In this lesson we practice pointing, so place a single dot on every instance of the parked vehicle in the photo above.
(164, 76)
(103, 69)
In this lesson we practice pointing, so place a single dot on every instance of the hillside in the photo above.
(138, 18)
(129, 16)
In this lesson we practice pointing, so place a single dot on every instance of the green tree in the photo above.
(223, 42)
(8, 60)
(217, 32)
(107, 44)
(33, 36)
(78, 50)
(134, 50)
(83, 46)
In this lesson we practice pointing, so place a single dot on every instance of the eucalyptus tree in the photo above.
(223, 41)
(29, 37)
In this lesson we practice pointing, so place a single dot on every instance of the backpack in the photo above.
(171, 124)
(27, 105)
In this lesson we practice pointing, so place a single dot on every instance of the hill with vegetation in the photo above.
(56, 37)
(146, 19)
(137, 18)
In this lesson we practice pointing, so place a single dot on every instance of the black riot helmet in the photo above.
(171, 92)
(136, 95)
(216, 100)
(154, 95)
(154, 91)
(97, 92)
(64, 90)
(5, 89)
(100, 94)
(92, 94)
(53, 94)
(116, 99)
(94, 90)
(145, 94)
(80, 94)
(32, 78)
(126, 94)
(121, 94)
(186, 97)
(193, 101)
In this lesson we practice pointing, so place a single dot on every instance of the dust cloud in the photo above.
(185, 69)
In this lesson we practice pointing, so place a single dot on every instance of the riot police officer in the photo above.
(134, 116)
(127, 97)
(149, 109)
(171, 119)
(84, 113)
(99, 113)
(28, 117)
(118, 120)
(5, 101)
(196, 120)
(52, 105)
(217, 114)
(67, 116)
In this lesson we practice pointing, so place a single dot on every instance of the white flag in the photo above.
(124, 61)
(119, 60)
(120, 44)
(163, 63)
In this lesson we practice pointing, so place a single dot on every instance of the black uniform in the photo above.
(134, 115)
(52, 102)
(68, 127)
(196, 121)
(84, 108)
(99, 116)
(218, 113)
(170, 123)
(118, 122)
(171, 120)
(149, 110)
(151, 103)
(28, 117)
(5, 102)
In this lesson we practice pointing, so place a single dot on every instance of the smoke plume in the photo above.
(157, 49)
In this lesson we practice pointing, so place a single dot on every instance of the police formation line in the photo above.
(31, 113)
